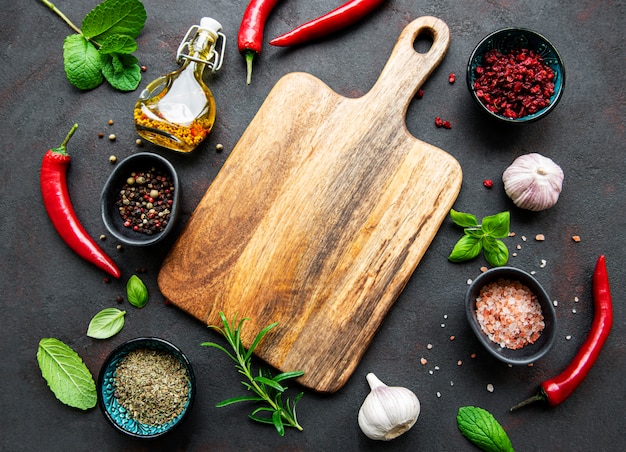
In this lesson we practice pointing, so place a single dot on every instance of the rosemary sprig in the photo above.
(266, 389)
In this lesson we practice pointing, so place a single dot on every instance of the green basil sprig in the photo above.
(66, 374)
(137, 292)
(481, 237)
(481, 428)
(106, 323)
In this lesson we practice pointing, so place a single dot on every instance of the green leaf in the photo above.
(111, 17)
(465, 220)
(66, 374)
(286, 375)
(106, 323)
(468, 247)
(118, 44)
(495, 251)
(82, 63)
(269, 382)
(238, 399)
(136, 292)
(497, 225)
(482, 429)
(121, 71)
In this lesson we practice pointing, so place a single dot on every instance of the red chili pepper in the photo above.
(559, 388)
(341, 17)
(56, 200)
(250, 37)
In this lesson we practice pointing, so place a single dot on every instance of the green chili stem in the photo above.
(58, 12)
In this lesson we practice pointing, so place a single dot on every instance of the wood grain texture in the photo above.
(318, 218)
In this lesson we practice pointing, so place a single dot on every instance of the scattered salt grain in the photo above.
(429, 346)
(555, 303)
(431, 372)
(436, 367)
(438, 394)
(574, 311)
(490, 387)
(568, 337)
(469, 281)
(543, 263)
(540, 237)
(459, 362)
(524, 238)
(424, 361)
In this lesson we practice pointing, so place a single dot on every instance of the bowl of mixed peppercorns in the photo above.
(140, 200)
(146, 387)
(511, 315)
(515, 75)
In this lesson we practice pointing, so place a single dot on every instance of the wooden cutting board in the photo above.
(318, 217)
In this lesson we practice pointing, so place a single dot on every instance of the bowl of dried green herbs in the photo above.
(146, 387)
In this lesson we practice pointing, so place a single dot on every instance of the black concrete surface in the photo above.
(48, 291)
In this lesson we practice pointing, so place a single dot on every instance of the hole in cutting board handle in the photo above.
(423, 42)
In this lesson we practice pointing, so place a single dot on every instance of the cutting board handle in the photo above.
(406, 70)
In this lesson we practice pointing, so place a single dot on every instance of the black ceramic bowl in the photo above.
(113, 221)
(504, 40)
(530, 352)
(115, 412)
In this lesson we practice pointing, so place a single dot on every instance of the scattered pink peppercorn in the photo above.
(451, 78)
(438, 122)
(447, 125)
(488, 183)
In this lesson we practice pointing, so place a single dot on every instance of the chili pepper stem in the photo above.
(249, 55)
(536, 398)
(62, 148)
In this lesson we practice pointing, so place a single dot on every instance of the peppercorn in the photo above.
(451, 78)
(488, 183)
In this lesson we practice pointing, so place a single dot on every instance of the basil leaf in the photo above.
(465, 220)
(66, 374)
(82, 63)
(497, 225)
(137, 292)
(111, 17)
(122, 71)
(106, 323)
(482, 429)
(496, 252)
(468, 247)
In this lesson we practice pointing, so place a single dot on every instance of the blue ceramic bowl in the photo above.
(142, 161)
(504, 40)
(531, 352)
(115, 413)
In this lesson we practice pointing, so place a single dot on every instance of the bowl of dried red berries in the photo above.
(515, 75)
(140, 200)
(511, 315)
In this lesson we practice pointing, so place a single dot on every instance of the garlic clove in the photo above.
(533, 182)
(387, 412)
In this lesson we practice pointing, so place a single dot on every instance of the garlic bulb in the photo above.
(533, 182)
(387, 412)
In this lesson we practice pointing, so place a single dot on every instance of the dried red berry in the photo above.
(514, 84)
(488, 183)
(420, 93)
(438, 122)
(447, 125)
(451, 77)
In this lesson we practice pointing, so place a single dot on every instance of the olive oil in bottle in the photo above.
(177, 110)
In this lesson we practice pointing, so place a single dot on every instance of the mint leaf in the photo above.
(113, 17)
(118, 44)
(466, 248)
(465, 220)
(106, 323)
(82, 63)
(66, 374)
(482, 429)
(497, 225)
(137, 292)
(122, 71)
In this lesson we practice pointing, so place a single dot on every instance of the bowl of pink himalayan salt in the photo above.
(511, 315)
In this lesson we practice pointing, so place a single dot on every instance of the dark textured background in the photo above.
(47, 291)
